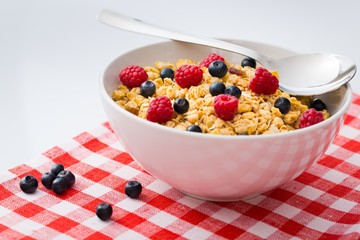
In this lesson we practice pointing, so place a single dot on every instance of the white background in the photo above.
(52, 53)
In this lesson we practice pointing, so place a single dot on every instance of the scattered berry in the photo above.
(68, 176)
(225, 106)
(194, 128)
(217, 88)
(57, 168)
(250, 62)
(59, 185)
(283, 104)
(264, 82)
(28, 184)
(160, 110)
(310, 117)
(181, 105)
(167, 73)
(104, 211)
(133, 189)
(47, 179)
(209, 59)
(233, 91)
(133, 76)
(218, 69)
(188, 75)
(147, 89)
(318, 104)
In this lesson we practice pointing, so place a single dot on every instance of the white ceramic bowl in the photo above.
(212, 167)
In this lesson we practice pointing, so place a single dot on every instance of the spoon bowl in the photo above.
(300, 74)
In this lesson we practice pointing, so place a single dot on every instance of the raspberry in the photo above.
(225, 106)
(133, 76)
(310, 117)
(264, 82)
(209, 59)
(188, 75)
(160, 110)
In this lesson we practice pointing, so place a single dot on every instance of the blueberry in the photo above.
(248, 62)
(47, 179)
(28, 184)
(147, 88)
(133, 188)
(59, 185)
(318, 104)
(68, 176)
(283, 104)
(57, 168)
(194, 128)
(181, 105)
(233, 91)
(167, 73)
(216, 88)
(218, 69)
(104, 211)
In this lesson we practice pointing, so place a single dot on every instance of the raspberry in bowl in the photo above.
(217, 153)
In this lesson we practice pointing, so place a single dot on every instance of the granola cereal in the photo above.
(256, 113)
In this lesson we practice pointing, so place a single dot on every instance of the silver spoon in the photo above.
(301, 74)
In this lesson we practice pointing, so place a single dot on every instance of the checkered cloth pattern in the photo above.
(322, 203)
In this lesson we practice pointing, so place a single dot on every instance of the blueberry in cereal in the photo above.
(250, 62)
(318, 104)
(194, 128)
(181, 105)
(218, 69)
(147, 89)
(167, 73)
(283, 104)
(217, 88)
(233, 91)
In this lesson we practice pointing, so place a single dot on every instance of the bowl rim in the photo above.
(107, 98)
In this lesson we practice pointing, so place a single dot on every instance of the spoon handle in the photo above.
(134, 25)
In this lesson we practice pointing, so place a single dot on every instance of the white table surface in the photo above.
(52, 53)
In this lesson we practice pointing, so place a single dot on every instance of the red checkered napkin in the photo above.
(321, 203)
